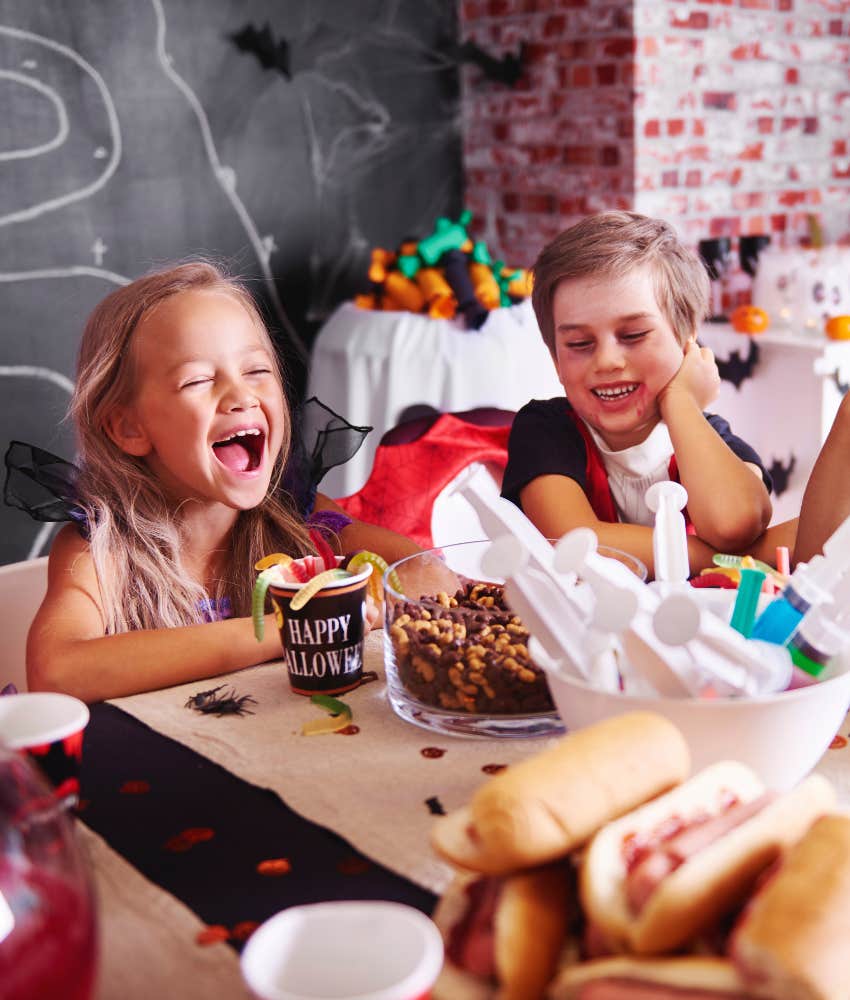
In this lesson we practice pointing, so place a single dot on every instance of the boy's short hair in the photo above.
(610, 244)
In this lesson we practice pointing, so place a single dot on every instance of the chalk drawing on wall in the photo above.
(133, 134)
(226, 177)
(51, 204)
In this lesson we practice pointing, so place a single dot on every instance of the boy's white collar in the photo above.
(640, 459)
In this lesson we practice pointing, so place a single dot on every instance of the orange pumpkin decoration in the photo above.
(750, 319)
(838, 328)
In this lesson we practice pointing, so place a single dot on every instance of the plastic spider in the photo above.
(227, 703)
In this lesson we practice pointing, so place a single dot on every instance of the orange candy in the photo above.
(838, 328)
(212, 934)
(749, 319)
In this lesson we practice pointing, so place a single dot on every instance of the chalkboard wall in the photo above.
(286, 137)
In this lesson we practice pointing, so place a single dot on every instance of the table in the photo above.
(199, 827)
(373, 367)
(251, 789)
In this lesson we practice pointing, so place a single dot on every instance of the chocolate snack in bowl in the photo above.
(468, 652)
(456, 656)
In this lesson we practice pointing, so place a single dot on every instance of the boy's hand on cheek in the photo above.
(697, 376)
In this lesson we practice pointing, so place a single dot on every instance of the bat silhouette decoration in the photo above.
(781, 474)
(261, 42)
(736, 369)
(506, 70)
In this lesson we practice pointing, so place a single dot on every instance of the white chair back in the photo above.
(22, 589)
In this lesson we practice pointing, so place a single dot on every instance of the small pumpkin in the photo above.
(749, 319)
(838, 328)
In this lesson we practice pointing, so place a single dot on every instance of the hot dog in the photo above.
(792, 941)
(545, 806)
(503, 935)
(653, 879)
(628, 978)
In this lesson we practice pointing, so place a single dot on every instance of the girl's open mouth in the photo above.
(242, 451)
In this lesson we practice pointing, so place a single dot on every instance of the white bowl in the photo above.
(780, 736)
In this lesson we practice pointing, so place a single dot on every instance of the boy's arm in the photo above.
(764, 547)
(67, 650)
(826, 501)
(557, 504)
(727, 500)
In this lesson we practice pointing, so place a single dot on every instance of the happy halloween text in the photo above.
(321, 662)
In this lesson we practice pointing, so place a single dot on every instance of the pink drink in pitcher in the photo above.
(50, 951)
(48, 939)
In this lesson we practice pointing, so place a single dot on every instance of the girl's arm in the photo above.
(728, 503)
(67, 650)
(362, 535)
(557, 504)
(826, 501)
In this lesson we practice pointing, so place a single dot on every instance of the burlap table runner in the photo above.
(376, 788)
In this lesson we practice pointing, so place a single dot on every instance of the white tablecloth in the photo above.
(371, 366)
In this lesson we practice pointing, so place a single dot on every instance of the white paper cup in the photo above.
(357, 950)
(47, 726)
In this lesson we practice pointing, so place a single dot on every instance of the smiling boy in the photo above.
(618, 299)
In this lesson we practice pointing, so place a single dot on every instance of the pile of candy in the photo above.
(314, 573)
(442, 276)
(726, 572)
(467, 651)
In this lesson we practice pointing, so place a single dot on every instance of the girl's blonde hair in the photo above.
(134, 533)
(610, 244)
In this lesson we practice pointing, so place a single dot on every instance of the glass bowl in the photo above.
(456, 657)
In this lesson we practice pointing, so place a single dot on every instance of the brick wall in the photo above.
(559, 144)
(725, 117)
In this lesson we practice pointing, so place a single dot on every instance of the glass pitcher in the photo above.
(47, 911)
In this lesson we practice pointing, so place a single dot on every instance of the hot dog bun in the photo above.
(649, 979)
(525, 926)
(542, 808)
(793, 940)
(708, 883)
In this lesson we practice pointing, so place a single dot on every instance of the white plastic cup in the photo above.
(47, 726)
(352, 950)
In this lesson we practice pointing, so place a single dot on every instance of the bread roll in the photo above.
(542, 808)
(526, 932)
(793, 940)
(676, 978)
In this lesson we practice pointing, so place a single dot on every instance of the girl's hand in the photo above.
(697, 376)
(373, 615)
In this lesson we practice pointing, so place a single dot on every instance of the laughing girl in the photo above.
(183, 434)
